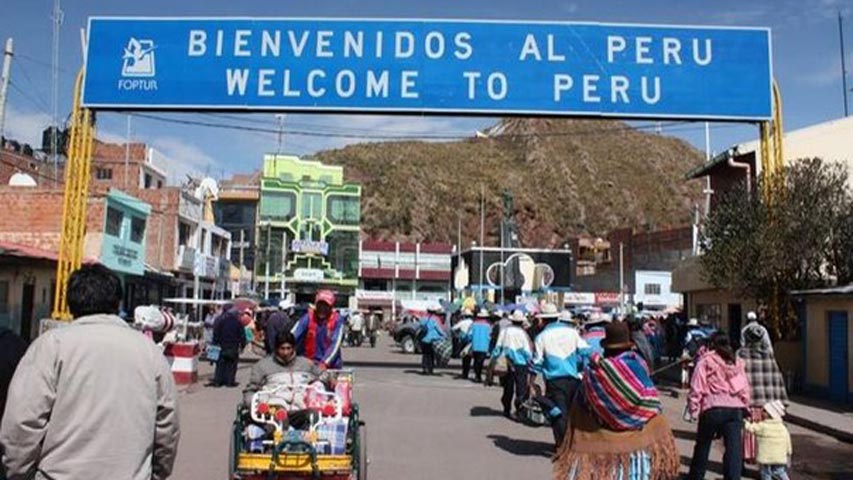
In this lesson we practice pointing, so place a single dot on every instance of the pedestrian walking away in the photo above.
(616, 430)
(514, 344)
(460, 332)
(479, 336)
(560, 353)
(431, 333)
(719, 396)
(320, 332)
(93, 399)
(774, 441)
(229, 334)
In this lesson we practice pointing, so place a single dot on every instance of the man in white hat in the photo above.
(479, 335)
(460, 332)
(758, 331)
(514, 344)
(560, 352)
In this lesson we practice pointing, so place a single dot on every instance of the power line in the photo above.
(39, 104)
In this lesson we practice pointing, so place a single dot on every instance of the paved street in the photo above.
(438, 427)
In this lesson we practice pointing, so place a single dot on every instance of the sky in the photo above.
(805, 54)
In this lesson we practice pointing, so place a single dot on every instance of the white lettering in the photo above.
(552, 55)
(353, 44)
(589, 88)
(708, 55)
(197, 44)
(264, 81)
(271, 44)
(530, 48)
(220, 40)
(496, 86)
(651, 100)
(299, 47)
(377, 87)
(562, 83)
(286, 90)
(407, 82)
(241, 40)
(463, 46)
(619, 88)
(399, 39)
(339, 83)
(615, 44)
(643, 50)
(472, 83)
(324, 41)
(671, 49)
(236, 80)
(434, 50)
(312, 90)
(379, 44)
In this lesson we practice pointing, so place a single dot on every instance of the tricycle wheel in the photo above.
(408, 344)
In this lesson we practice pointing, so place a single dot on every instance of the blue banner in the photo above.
(429, 66)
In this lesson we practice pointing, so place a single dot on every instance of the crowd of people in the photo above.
(600, 394)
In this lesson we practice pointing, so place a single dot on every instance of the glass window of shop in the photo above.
(114, 220)
(343, 252)
(280, 206)
(344, 210)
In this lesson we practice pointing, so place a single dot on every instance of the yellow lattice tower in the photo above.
(77, 171)
(773, 177)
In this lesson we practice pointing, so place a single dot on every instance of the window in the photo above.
(159, 184)
(344, 210)
(312, 205)
(278, 206)
(103, 173)
(148, 181)
(184, 234)
(137, 229)
(652, 289)
(4, 296)
(343, 252)
(114, 219)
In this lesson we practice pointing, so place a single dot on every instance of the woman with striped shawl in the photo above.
(616, 427)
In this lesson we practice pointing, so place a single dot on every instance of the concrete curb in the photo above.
(841, 435)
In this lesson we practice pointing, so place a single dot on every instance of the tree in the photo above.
(802, 240)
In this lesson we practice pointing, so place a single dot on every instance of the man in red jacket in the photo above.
(320, 332)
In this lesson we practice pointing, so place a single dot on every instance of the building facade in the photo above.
(308, 229)
(392, 272)
(236, 211)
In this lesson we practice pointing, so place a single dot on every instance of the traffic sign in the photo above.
(429, 66)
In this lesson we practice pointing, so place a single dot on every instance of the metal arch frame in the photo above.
(75, 199)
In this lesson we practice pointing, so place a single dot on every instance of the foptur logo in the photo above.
(138, 59)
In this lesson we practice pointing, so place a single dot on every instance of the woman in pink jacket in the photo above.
(719, 396)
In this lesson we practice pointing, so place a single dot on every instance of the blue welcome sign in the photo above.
(429, 66)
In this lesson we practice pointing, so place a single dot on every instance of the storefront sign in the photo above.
(579, 298)
(308, 275)
(309, 246)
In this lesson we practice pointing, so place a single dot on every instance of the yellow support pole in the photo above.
(74, 205)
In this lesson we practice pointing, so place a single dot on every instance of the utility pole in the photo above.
(621, 278)
(267, 264)
(54, 137)
(280, 118)
(242, 265)
(127, 154)
(4, 85)
(482, 233)
(283, 261)
(843, 60)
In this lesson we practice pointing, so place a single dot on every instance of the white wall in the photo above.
(666, 298)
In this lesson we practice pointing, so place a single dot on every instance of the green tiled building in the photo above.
(307, 207)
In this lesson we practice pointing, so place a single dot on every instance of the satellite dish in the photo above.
(207, 188)
(22, 180)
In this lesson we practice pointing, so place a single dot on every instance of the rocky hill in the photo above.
(567, 177)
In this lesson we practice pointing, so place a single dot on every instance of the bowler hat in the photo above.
(617, 335)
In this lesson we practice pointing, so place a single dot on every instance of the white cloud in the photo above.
(25, 126)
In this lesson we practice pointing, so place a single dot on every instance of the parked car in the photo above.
(406, 334)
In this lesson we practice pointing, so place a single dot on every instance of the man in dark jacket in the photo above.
(229, 335)
(12, 348)
(280, 321)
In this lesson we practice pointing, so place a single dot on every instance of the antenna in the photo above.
(843, 65)
(54, 141)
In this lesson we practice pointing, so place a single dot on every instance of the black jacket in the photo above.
(12, 348)
(228, 332)
(277, 323)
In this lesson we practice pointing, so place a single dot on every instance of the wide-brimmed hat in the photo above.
(466, 312)
(566, 317)
(751, 316)
(693, 322)
(549, 310)
(285, 304)
(617, 335)
(517, 317)
(435, 309)
(776, 409)
(596, 318)
(325, 296)
(483, 313)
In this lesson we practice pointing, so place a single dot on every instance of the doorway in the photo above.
(839, 356)
(27, 303)
(735, 322)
